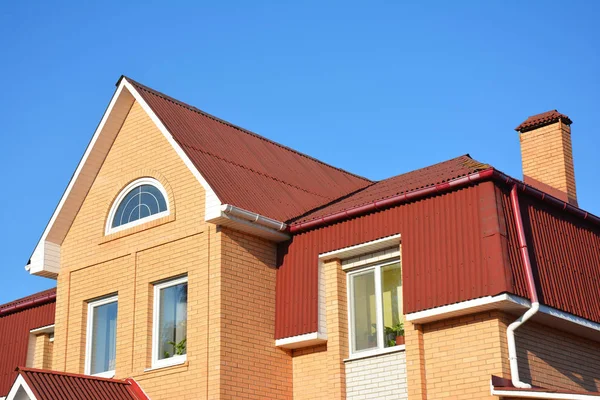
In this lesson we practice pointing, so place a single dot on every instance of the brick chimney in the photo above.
(547, 155)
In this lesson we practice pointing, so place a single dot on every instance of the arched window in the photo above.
(141, 201)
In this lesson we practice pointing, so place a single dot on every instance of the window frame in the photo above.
(89, 331)
(175, 359)
(124, 192)
(376, 267)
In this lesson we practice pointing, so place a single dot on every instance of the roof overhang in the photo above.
(45, 260)
(514, 305)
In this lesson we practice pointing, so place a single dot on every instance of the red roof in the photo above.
(417, 179)
(53, 385)
(248, 170)
(545, 118)
(17, 318)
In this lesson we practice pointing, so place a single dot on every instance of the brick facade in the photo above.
(382, 377)
(231, 288)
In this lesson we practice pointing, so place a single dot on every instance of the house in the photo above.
(195, 259)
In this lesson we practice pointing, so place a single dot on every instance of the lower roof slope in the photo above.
(248, 170)
(52, 385)
(417, 179)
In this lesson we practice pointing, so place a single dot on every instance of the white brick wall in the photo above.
(380, 377)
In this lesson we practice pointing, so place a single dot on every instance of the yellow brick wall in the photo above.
(319, 372)
(311, 375)
(554, 359)
(127, 263)
(42, 357)
(249, 358)
(548, 157)
(460, 355)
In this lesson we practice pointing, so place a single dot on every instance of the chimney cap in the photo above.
(545, 118)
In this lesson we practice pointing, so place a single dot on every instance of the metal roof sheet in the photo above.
(417, 179)
(52, 385)
(22, 316)
(248, 170)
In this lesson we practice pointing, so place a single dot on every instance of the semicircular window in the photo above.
(142, 201)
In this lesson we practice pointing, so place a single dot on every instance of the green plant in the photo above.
(391, 332)
(178, 347)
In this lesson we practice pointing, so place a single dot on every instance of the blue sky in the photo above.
(378, 88)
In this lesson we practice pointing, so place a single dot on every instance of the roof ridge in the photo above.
(469, 162)
(341, 198)
(244, 130)
(250, 169)
(72, 375)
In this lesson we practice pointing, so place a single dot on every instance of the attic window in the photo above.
(139, 202)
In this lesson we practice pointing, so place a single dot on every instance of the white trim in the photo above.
(124, 192)
(361, 249)
(43, 329)
(20, 383)
(376, 269)
(374, 353)
(513, 304)
(175, 359)
(89, 332)
(526, 394)
(212, 202)
(305, 340)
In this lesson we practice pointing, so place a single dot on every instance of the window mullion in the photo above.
(379, 308)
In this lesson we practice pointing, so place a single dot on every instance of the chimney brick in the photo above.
(547, 154)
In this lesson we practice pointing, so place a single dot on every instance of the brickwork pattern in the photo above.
(460, 356)
(251, 366)
(311, 380)
(415, 361)
(548, 158)
(42, 357)
(231, 282)
(554, 359)
(381, 377)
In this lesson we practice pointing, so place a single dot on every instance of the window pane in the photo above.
(104, 338)
(391, 299)
(172, 328)
(141, 202)
(364, 306)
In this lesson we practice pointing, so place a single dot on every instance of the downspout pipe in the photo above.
(267, 222)
(535, 305)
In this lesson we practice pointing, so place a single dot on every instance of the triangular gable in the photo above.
(45, 260)
(39, 384)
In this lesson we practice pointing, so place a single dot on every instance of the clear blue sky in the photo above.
(378, 88)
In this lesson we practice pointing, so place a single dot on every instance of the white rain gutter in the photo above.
(535, 305)
(267, 222)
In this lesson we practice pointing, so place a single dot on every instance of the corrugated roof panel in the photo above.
(565, 256)
(247, 170)
(14, 334)
(448, 255)
(417, 179)
(52, 385)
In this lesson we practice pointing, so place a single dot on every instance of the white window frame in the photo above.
(113, 209)
(89, 331)
(380, 349)
(175, 359)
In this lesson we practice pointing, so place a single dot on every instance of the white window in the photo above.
(169, 341)
(375, 308)
(141, 201)
(101, 339)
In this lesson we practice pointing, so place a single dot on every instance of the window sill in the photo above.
(130, 230)
(376, 353)
(107, 374)
(175, 363)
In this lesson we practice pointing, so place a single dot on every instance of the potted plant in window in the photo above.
(394, 335)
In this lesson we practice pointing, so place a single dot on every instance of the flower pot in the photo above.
(399, 340)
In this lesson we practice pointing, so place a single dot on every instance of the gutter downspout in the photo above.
(535, 305)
